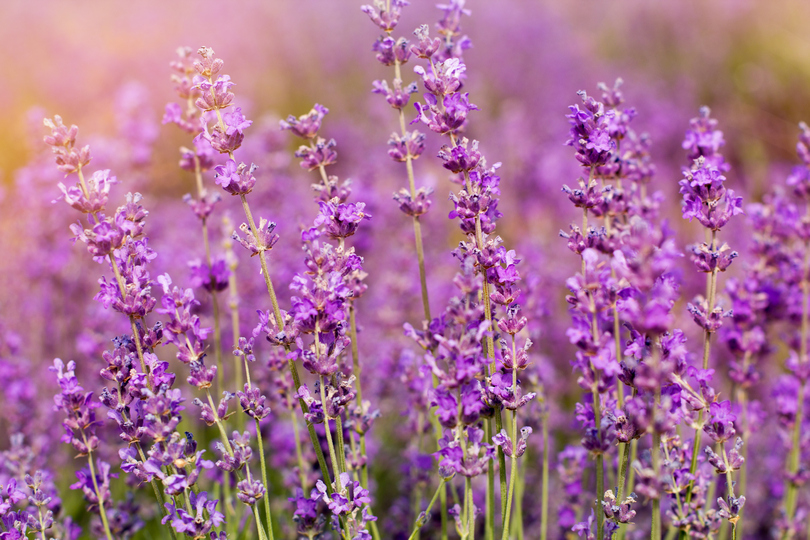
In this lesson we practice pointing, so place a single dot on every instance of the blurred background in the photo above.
(105, 67)
(745, 59)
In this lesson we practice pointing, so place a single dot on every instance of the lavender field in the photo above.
(322, 270)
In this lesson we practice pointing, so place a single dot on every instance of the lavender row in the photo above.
(420, 387)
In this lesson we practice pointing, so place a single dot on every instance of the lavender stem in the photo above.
(214, 299)
(102, 512)
(419, 522)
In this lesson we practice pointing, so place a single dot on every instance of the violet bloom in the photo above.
(205, 517)
(98, 192)
(340, 220)
(306, 126)
(720, 425)
(80, 422)
(385, 14)
(184, 330)
(236, 179)
(590, 133)
(250, 491)
(213, 279)
(448, 118)
(704, 140)
(202, 157)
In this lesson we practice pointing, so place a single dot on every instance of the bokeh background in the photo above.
(105, 67)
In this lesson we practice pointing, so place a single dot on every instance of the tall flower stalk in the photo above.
(483, 257)
(406, 147)
(706, 199)
(225, 134)
(211, 275)
(335, 286)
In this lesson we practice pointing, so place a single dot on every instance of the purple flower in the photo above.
(211, 279)
(397, 97)
(720, 426)
(390, 51)
(448, 118)
(703, 140)
(236, 179)
(250, 492)
(214, 95)
(98, 191)
(590, 133)
(385, 14)
(205, 516)
(306, 126)
(263, 241)
(412, 144)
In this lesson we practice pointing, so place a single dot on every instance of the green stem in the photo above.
(655, 450)
(341, 444)
(489, 525)
(328, 430)
(470, 508)
(630, 474)
(419, 523)
(291, 364)
(513, 472)
(268, 515)
(101, 510)
(544, 489)
(520, 488)
(791, 495)
(501, 465)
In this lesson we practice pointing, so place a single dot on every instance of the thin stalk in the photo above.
(136, 336)
(623, 451)
(417, 226)
(513, 472)
(101, 510)
(328, 430)
(791, 496)
(597, 405)
(214, 299)
(299, 454)
(501, 465)
(266, 497)
(262, 536)
(655, 450)
(730, 489)
(416, 505)
(742, 399)
(489, 529)
(519, 489)
(419, 523)
(41, 522)
(544, 489)
(420, 258)
(291, 364)
(655, 533)
(479, 241)
(470, 508)
(630, 475)
(711, 288)
(357, 371)
(228, 448)
(233, 298)
(624, 465)
(341, 444)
